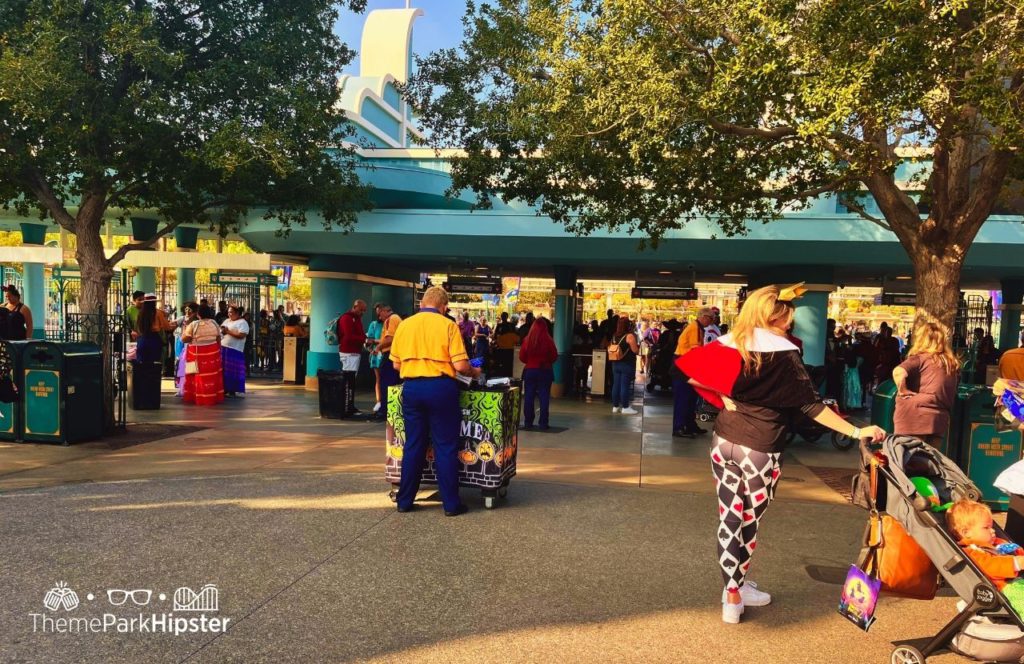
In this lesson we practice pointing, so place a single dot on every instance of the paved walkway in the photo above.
(603, 551)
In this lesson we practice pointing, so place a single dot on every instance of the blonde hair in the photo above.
(930, 339)
(965, 513)
(436, 296)
(762, 309)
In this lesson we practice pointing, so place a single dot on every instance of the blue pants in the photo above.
(684, 402)
(623, 374)
(537, 383)
(430, 407)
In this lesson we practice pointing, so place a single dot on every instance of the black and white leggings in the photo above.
(745, 481)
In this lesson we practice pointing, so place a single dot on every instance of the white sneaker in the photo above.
(616, 409)
(731, 613)
(629, 411)
(376, 407)
(751, 596)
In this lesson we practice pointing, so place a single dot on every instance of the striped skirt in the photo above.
(205, 388)
(234, 370)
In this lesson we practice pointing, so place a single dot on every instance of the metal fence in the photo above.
(110, 333)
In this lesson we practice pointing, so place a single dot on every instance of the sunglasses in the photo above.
(140, 597)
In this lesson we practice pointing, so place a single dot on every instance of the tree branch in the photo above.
(859, 209)
(40, 188)
(119, 255)
(775, 133)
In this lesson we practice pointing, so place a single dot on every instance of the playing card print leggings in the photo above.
(745, 481)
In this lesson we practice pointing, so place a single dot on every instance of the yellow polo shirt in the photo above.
(391, 326)
(1011, 364)
(689, 339)
(426, 344)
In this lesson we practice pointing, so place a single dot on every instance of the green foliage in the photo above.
(646, 113)
(197, 111)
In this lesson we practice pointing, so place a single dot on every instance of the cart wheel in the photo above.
(503, 492)
(489, 502)
(841, 442)
(906, 655)
(704, 417)
(393, 495)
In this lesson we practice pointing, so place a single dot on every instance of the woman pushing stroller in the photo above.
(758, 379)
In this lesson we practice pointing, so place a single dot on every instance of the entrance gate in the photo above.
(264, 349)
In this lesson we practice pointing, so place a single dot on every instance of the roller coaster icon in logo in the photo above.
(207, 599)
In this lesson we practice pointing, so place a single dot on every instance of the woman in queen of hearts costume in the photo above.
(757, 377)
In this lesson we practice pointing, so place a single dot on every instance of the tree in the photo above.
(647, 113)
(193, 111)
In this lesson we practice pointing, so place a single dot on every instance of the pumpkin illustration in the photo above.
(485, 451)
(430, 454)
(467, 457)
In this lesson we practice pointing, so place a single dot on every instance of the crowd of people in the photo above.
(210, 351)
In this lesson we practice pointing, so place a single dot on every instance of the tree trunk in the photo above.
(96, 276)
(937, 275)
(96, 272)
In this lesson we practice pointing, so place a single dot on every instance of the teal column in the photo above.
(144, 280)
(185, 238)
(145, 277)
(330, 298)
(401, 298)
(34, 282)
(565, 282)
(1009, 326)
(811, 317)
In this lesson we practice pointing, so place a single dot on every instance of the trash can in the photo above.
(489, 440)
(337, 394)
(11, 425)
(63, 392)
(986, 451)
(294, 369)
(599, 368)
(144, 379)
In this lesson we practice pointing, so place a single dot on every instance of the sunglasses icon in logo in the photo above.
(140, 596)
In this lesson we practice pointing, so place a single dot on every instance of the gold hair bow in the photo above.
(790, 293)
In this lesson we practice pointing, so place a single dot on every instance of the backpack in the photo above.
(331, 331)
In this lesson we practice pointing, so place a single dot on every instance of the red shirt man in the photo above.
(351, 336)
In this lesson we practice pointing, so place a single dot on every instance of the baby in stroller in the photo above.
(1000, 560)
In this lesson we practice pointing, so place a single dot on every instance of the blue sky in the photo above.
(439, 27)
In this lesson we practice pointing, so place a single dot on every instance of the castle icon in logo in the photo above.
(207, 599)
(61, 596)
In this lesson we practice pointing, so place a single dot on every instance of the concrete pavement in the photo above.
(604, 550)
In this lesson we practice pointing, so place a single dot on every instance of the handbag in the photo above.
(191, 367)
(894, 557)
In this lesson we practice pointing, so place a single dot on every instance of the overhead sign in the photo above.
(474, 285)
(664, 293)
(254, 279)
(283, 274)
(899, 299)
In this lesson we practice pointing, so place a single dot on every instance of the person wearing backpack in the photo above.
(351, 339)
(622, 353)
(19, 320)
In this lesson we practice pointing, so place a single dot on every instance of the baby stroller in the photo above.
(706, 412)
(987, 629)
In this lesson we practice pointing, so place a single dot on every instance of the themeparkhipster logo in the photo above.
(67, 614)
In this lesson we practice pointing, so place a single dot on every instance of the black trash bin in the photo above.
(144, 384)
(63, 395)
(337, 394)
(11, 424)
